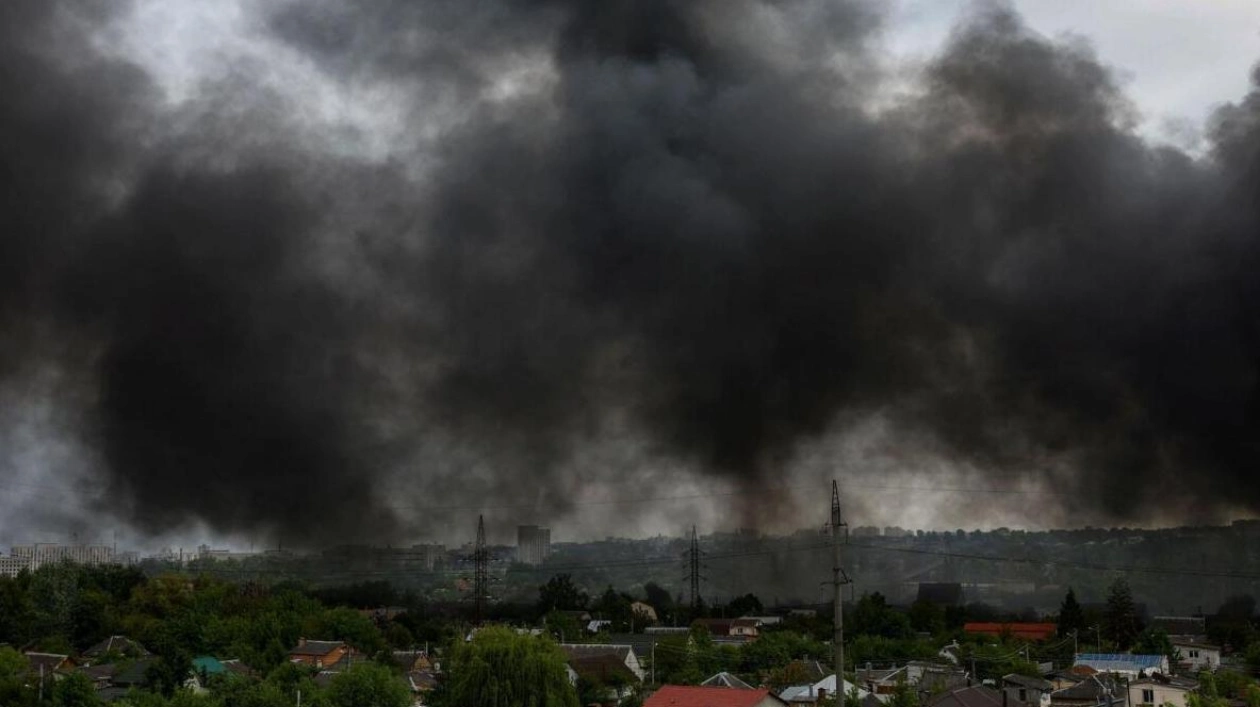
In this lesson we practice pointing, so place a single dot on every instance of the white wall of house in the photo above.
(1149, 692)
(1199, 657)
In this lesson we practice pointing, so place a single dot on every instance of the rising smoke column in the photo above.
(703, 218)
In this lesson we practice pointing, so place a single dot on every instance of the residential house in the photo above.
(812, 693)
(1197, 656)
(974, 696)
(1062, 679)
(881, 681)
(801, 671)
(412, 660)
(1181, 628)
(1129, 665)
(113, 648)
(236, 667)
(421, 682)
(205, 667)
(935, 678)
(579, 652)
(688, 696)
(1159, 690)
(318, 653)
(1097, 690)
(607, 669)
(46, 664)
(746, 628)
(725, 679)
(136, 675)
(1023, 631)
(718, 628)
(1029, 690)
(100, 675)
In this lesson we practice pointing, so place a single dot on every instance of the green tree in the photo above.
(927, 616)
(562, 626)
(368, 685)
(747, 605)
(872, 616)
(501, 668)
(74, 690)
(561, 593)
(14, 671)
(658, 597)
(615, 608)
(1156, 642)
(1071, 615)
(1120, 619)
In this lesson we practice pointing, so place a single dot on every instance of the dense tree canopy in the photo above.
(502, 668)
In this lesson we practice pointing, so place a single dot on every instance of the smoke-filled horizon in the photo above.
(624, 266)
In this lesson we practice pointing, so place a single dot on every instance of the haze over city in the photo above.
(305, 273)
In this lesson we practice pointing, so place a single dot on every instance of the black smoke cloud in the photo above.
(704, 219)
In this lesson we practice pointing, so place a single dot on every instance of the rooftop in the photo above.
(975, 696)
(1120, 662)
(725, 679)
(305, 647)
(686, 696)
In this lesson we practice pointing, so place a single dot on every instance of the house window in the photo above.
(1023, 695)
(1194, 654)
(1148, 697)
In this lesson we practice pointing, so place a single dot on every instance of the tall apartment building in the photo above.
(533, 544)
(10, 566)
(41, 554)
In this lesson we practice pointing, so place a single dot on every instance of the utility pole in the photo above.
(481, 558)
(838, 580)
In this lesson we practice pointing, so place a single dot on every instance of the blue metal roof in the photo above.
(1105, 662)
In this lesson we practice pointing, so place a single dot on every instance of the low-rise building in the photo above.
(1159, 690)
(1094, 691)
(1125, 664)
(1029, 690)
(973, 696)
(813, 693)
(1181, 628)
(113, 648)
(577, 653)
(319, 654)
(1196, 656)
(45, 664)
(688, 696)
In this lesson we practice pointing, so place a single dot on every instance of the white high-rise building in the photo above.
(41, 554)
(10, 566)
(533, 544)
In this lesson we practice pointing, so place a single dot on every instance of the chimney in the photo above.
(301, 642)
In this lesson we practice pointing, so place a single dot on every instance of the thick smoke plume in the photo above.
(707, 228)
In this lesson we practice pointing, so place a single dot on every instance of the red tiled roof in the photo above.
(1026, 631)
(682, 696)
